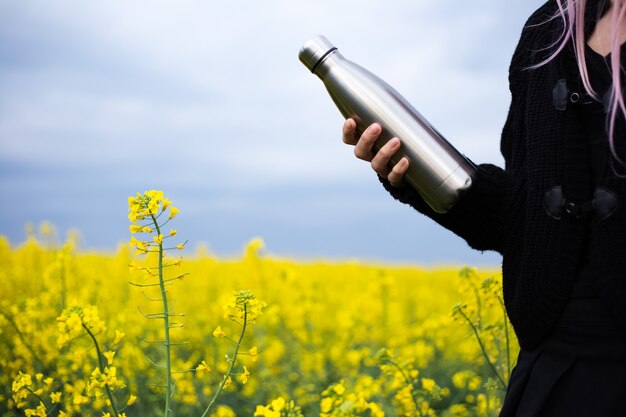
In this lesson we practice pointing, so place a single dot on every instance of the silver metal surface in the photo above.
(314, 50)
(436, 170)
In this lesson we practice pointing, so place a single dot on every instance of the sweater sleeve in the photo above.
(478, 217)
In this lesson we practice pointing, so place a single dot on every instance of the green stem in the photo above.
(232, 363)
(166, 326)
(508, 340)
(38, 397)
(479, 306)
(483, 348)
(101, 367)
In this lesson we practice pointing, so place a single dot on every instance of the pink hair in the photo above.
(572, 12)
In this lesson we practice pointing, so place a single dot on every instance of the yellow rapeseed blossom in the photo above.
(118, 337)
(144, 213)
(109, 355)
(428, 384)
(244, 303)
(55, 397)
(333, 315)
(243, 378)
(253, 352)
(218, 332)
(223, 411)
(279, 407)
(203, 368)
(459, 410)
(278, 404)
(76, 320)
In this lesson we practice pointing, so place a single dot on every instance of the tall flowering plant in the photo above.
(149, 213)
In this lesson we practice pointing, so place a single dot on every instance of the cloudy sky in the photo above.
(207, 101)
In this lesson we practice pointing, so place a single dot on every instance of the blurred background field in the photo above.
(336, 338)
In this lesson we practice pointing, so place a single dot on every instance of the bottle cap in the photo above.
(314, 51)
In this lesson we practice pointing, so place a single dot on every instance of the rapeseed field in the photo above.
(145, 331)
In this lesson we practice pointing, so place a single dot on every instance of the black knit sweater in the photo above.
(504, 210)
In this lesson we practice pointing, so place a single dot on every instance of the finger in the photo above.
(396, 176)
(380, 161)
(349, 132)
(364, 148)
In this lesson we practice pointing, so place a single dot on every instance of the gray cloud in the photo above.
(208, 101)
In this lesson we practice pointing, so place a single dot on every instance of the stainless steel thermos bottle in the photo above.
(436, 170)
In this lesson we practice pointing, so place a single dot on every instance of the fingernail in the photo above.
(375, 128)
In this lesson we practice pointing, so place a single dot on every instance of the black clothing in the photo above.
(580, 370)
(542, 143)
(564, 271)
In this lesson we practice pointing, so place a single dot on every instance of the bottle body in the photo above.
(436, 170)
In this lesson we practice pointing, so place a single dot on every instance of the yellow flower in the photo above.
(118, 337)
(458, 410)
(140, 245)
(339, 388)
(244, 301)
(22, 380)
(428, 384)
(474, 383)
(253, 353)
(278, 404)
(173, 212)
(223, 411)
(228, 382)
(375, 410)
(158, 239)
(261, 410)
(218, 332)
(326, 405)
(172, 232)
(55, 397)
(244, 377)
(79, 399)
(109, 355)
(131, 400)
(203, 367)
(181, 246)
(40, 411)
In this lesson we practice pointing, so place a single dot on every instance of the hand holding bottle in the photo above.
(380, 160)
(437, 170)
